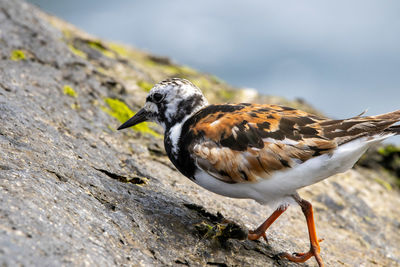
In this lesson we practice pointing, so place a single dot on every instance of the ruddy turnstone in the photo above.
(260, 152)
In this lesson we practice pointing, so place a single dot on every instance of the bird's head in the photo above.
(169, 102)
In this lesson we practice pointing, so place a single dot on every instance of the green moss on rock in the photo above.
(119, 49)
(169, 68)
(225, 94)
(99, 46)
(146, 86)
(119, 110)
(17, 55)
(75, 106)
(68, 90)
(202, 83)
(188, 71)
(385, 184)
(388, 150)
(77, 52)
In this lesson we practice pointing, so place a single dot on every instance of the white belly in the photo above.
(284, 183)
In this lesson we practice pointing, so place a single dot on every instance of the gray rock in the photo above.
(73, 191)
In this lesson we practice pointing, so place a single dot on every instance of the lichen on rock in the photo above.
(68, 90)
(17, 55)
(119, 110)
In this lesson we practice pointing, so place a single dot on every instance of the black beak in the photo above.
(139, 117)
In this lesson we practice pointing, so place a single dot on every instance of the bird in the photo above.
(258, 151)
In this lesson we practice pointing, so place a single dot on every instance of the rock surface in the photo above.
(73, 191)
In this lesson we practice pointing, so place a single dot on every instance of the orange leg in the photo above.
(306, 207)
(260, 231)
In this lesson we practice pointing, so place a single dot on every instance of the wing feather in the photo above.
(251, 142)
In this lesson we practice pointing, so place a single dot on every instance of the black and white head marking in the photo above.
(171, 101)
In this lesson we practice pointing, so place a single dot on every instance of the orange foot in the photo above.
(302, 257)
(260, 231)
(306, 207)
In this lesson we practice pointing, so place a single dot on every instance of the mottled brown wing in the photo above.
(245, 143)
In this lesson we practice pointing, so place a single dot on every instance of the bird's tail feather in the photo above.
(394, 116)
(393, 129)
(389, 119)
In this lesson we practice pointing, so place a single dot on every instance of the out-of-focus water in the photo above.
(341, 56)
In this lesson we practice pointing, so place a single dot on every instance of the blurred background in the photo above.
(341, 56)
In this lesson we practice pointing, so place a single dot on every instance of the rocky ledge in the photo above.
(73, 191)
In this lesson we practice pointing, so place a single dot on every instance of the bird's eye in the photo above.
(157, 97)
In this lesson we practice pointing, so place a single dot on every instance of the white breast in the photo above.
(174, 135)
(286, 182)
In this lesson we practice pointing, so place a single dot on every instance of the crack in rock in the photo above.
(124, 179)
